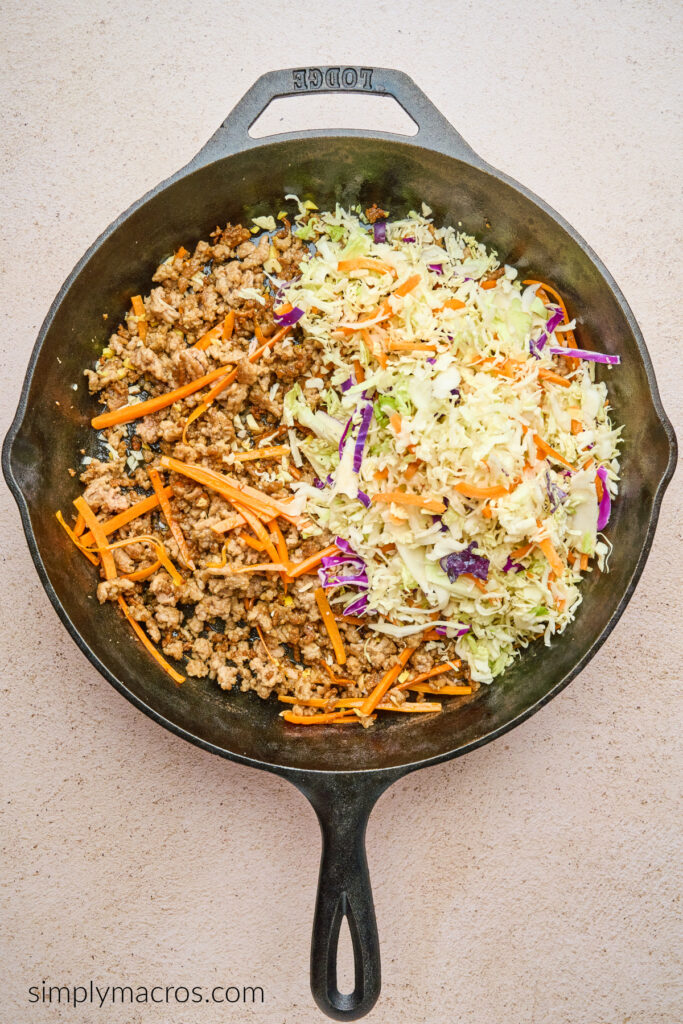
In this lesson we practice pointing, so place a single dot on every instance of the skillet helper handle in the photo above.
(434, 131)
(343, 806)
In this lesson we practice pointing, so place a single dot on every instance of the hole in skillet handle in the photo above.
(317, 113)
(343, 802)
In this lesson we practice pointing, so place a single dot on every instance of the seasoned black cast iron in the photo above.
(341, 771)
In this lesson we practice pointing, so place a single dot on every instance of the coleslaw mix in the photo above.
(464, 452)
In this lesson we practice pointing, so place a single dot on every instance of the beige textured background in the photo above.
(535, 881)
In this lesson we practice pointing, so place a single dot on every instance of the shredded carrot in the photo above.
(337, 680)
(266, 452)
(475, 491)
(376, 316)
(411, 346)
(555, 295)
(259, 529)
(222, 331)
(487, 512)
(407, 286)
(544, 448)
(487, 284)
(139, 310)
(140, 508)
(146, 538)
(355, 702)
(546, 546)
(261, 503)
(576, 427)
(99, 537)
(553, 378)
(330, 625)
(128, 413)
(366, 263)
(387, 681)
(299, 568)
(521, 552)
(229, 325)
(220, 564)
(358, 372)
(265, 645)
(334, 718)
(444, 691)
(381, 474)
(421, 500)
(411, 469)
(251, 542)
(479, 584)
(142, 574)
(171, 521)
(75, 540)
(447, 666)
(377, 351)
(230, 523)
(79, 525)
(583, 565)
(139, 631)
(450, 304)
(233, 570)
(280, 542)
(181, 254)
(396, 422)
(599, 489)
(350, 620)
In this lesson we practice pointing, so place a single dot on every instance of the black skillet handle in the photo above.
(434, 131)
(343, 803)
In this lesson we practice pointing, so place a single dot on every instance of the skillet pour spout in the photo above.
(235, 177)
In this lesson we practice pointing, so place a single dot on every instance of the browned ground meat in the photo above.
(243, 630)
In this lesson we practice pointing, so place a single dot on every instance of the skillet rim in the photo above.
(304, 774)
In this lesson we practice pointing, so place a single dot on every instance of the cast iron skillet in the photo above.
(341, 771)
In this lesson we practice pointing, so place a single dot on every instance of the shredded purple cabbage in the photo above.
(365, 420)
(458, 562)
(536, 345)
(379, 231)
(437, 268)
(329, 561)
(443, 630)
(357, 606)
(342, 439)
(556, 495)
(408, 238)
(287, 319)
(510, 565)
(349, 382)
(360, 581)
(344, 545)
(432, 360)
(582, 353)
(605, 509)
(364, 499)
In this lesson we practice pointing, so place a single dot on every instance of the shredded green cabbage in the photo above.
(462, 411)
